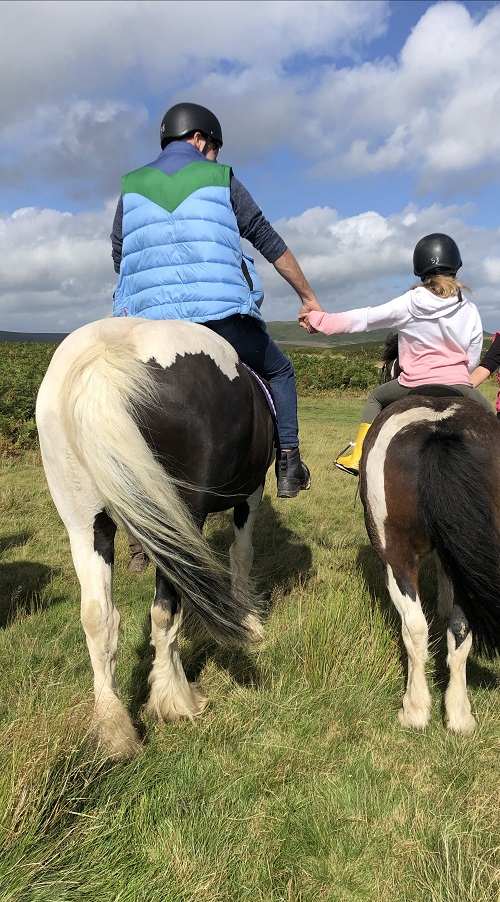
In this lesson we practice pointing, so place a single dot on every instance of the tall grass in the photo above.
(297, 783)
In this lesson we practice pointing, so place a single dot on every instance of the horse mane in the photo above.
(390, 363)
(391, 348)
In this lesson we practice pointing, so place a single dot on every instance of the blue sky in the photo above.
(357, 126)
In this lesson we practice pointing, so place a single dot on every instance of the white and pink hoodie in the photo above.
(440, 339)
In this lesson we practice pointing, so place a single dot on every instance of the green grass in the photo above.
(298, 782)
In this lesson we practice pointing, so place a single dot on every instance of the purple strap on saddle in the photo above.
(267, 393)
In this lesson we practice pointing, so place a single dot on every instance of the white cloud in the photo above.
(367, 259)
(57, 41)
(491, 269)
(80, 74)
(89, 82)
(57, 271)
(431, 109)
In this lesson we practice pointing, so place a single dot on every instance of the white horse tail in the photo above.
(103, 386)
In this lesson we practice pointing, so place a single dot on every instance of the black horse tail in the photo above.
(456, 504)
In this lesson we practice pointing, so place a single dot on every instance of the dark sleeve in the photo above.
(253, 225)
(491, 360)
(116, 236)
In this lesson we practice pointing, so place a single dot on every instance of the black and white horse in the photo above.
(152, 426)
(430, 480)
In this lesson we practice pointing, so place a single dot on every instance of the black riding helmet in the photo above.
(436, 254)
(184, 118)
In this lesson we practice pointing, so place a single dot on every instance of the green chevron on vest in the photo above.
(169, 191)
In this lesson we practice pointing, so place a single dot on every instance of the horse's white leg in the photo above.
(92, 556)
(91, 536)
(458, 717)
(445, 591)
(416, 701)
(171, 695)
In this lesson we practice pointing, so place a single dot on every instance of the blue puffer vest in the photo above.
(182, 253)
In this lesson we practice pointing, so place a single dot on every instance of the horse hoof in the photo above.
(120, 744)
(187, 701)
(418, 720)
(461, 726)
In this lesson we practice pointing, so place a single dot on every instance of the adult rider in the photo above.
(187, 216)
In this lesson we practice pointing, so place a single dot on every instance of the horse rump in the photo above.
(102, 387)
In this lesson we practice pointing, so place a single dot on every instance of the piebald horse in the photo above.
(430, 480)
(152, 426)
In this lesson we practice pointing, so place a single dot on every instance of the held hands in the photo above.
(308, 305)
(303, 317)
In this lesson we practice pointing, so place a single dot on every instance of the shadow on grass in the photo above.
(280, 558)
(13, 541)
(280, 561)
(478, 675)
(21, 582)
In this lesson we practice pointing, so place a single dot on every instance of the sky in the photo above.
(358, 127)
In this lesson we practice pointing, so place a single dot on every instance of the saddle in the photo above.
(265, 390)
(436, 391)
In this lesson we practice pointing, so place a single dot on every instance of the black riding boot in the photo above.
(291, 473)
(138, 558)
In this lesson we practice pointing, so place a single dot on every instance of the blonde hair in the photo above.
(443, 286)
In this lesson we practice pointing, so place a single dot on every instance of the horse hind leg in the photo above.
(91, 534)
(93, 559)
(171, 696)
(445, 591)
(458, 717)
(403, 590)
(241, 552)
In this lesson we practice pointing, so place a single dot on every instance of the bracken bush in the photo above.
(22, 368)
(23, 365)
(319, 373)
(353, 367)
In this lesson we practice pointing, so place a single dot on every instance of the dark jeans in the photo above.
(250, 340)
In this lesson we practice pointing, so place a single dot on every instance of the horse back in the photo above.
(417, 441)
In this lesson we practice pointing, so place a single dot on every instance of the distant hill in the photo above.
(291, 334)
(286, 334)
(39, 337)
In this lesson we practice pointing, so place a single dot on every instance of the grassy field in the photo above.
(298, 782)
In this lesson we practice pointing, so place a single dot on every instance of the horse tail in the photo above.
(456, 503)
(103, 387)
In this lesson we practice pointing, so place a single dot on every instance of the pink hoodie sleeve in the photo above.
(339, 323)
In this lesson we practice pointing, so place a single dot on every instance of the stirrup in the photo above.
(350, 470)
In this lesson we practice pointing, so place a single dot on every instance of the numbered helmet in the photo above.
(436, 254)
(184, 118)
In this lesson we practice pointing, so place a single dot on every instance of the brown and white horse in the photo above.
(430, 480)
(153, 426)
